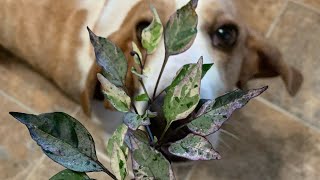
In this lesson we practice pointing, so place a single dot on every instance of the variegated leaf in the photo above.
(151, 35)
(181, 29)
(118, 138)
(116, 96)
(183, 94)
(110, 58)
(183, 71)
(148, 163)
(118, 162)
(118, 151)
(214, 113)
(134, 121)
(195, 148)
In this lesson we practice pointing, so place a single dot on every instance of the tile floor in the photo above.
(275, 137)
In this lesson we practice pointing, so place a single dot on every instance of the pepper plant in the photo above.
(67, 142)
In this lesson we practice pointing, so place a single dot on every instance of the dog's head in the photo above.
(238, 53)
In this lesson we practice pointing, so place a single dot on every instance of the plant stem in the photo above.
(107, 171)
(166, 57)
(144, 89)
(164, 132)
(133, 53)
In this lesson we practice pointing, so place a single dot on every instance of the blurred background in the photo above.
(274, 137)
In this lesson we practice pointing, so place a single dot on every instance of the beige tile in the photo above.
(270, 145)
(24, 84)
(297, 35)
(259, 14)
(315, 4)
(17, 150)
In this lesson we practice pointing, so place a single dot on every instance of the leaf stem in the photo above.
(164, 132)
(166, 57)
(106, 170)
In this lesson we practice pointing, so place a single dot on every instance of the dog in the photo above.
(51, 36)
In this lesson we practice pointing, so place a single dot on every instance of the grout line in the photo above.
(76, 111)
(42, 158)
(277, 19)
(306, 6)
(286, 113)
(14, 100)
(190, 173)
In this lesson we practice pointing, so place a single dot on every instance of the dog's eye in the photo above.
(225, 36)
(139, 28)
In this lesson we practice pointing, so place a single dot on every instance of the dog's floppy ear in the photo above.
(265, 60)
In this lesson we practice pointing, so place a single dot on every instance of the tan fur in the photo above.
(50, 36)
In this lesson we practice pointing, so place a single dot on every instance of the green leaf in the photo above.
(148, 163)
(183, 94)
(134, 121)
(195, 148)
(205, 69)
(142, 97)
(213, 114)
(181, 29)
(137, 59)
(134, 71)
(116, 96)
(110, 58)
(63, 139)
(184, 70)
(151, 35)
(67, 174)
(118, 152)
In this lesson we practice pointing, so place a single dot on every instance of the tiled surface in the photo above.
(37, 93)
(297, 35)
(270, 143)
(263, 10)
(17, 150)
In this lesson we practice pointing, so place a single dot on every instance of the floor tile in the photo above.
(263, 10)
(26, 85)
(17, 150)
(297, 35)
(269, 146)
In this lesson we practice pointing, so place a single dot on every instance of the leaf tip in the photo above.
(194, 3)
(15, 114)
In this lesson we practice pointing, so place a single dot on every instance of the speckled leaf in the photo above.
(118, 152)
(63, 139)
(116, 96)
(137, 50)
(214, 113)
(181, 29)
(67, 174)
(151, 35)
(183, 94)
(142, 97)
(118, 162)
(134, 121)
(110, 58)
(148, 163)
(118, 138)
(184, 71)
(195, 148)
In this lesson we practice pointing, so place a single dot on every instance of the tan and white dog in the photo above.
(51, 36)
